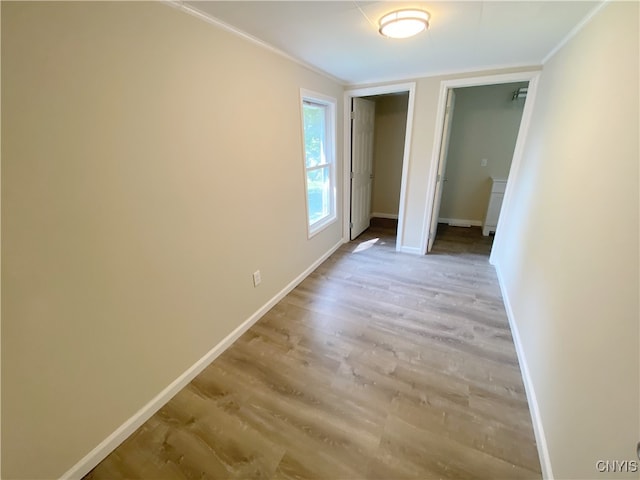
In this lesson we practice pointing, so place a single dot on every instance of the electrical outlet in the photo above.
(257, 278)
(483, 162)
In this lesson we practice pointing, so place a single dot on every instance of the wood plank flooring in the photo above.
(379, 365)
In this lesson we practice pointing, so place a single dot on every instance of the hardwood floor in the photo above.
(379, 365)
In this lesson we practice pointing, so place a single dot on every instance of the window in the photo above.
(318, 118)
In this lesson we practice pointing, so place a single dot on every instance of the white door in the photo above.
(442, 162)
(363, 120)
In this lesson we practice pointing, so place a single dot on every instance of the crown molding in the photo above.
(195, 12)
(575, 30)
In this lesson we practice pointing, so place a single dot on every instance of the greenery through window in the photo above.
(318, 120)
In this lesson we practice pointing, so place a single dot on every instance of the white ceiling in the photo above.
(341, 37)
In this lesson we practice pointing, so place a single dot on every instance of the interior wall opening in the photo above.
(480, 132)
(389, 131)
(378, 121)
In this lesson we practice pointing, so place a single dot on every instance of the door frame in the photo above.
(365, 92)
(530, 76)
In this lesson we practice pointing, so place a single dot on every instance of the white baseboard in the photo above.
(392, 216)
(541, 440)
(411, 250)
(460, 222)
(110, 443)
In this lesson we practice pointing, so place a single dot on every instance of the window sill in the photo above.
(312, 231)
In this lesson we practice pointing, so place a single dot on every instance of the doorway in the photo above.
(479, 135)
(445, 87)
(351, 136)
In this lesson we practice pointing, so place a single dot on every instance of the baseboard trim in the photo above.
(411, 250)
(538, 429)
(392, 216)
(460, 222)
(95, 456)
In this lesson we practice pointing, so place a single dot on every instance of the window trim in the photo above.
(330, 158)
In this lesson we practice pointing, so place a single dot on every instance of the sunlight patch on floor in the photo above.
(365, 245)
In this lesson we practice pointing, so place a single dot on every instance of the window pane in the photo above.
(319, 190)
(314, 134)
(318, 124)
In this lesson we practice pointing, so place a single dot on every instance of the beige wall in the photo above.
(485, 125)
(568, 255)
(150, 163)
(390, 129)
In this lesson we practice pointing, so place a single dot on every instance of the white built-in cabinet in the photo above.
(498, 187)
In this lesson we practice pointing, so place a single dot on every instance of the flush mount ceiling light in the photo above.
(404, 23)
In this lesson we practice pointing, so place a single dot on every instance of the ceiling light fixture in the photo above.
(404, 23)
